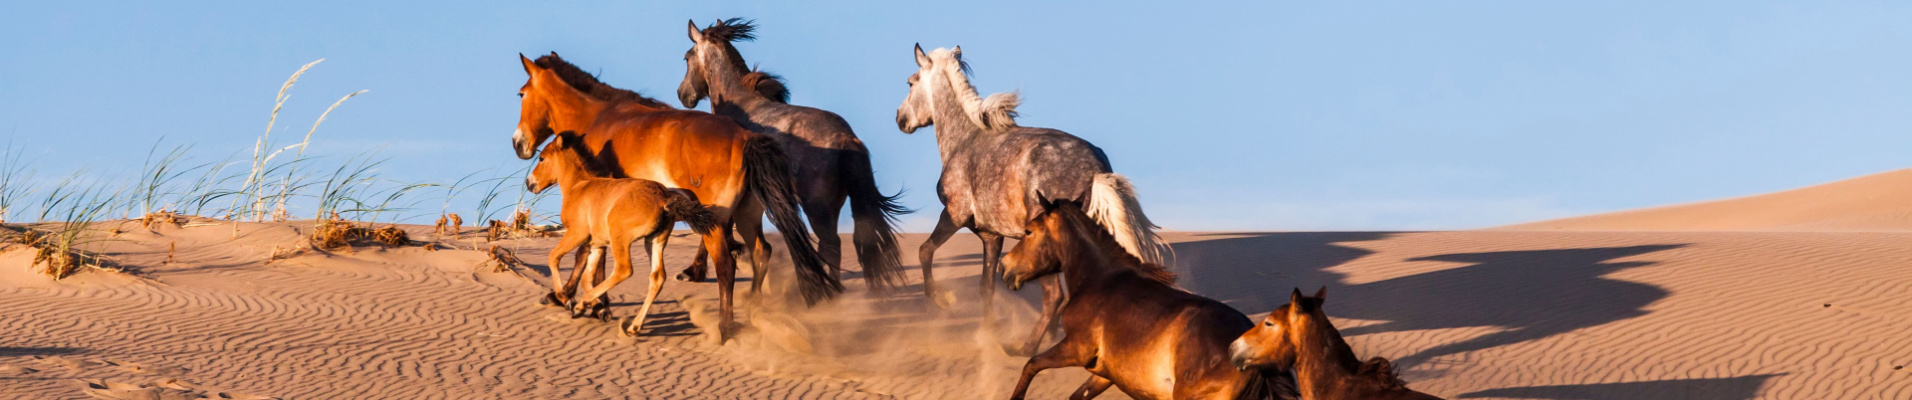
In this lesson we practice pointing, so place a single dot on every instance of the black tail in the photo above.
(685, 208)
(767, 176)
(875, 215)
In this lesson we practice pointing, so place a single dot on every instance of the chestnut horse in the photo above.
(610, 213)
(1299, 336)
(994, 170)
(1126, 323)
(739, 174)
(830, 163)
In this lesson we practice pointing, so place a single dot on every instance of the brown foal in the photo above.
(1299, 336)
(609, 213)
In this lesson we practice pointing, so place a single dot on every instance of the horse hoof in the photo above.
(682, 277)
(550, 299)
(624, 326)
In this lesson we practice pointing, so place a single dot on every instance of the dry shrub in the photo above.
(334, 234)
(502, 259)
(162, 217)
(496, 231)
(391, 236)
(457, 224)
(56, 260)
(449, 223)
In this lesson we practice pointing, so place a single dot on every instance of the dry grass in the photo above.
(391, 236)
(162, 217)
(332, 234)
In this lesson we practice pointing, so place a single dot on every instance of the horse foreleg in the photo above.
(592, 302)
(926, 255)
(1066, 354)
(992, 271)
(1054, 295)
(1092, 388)
(559, 295)
(655, 251)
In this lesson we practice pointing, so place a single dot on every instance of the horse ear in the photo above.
(922, 60)
(696, 36)
(1322, 294)
(1295, 298)
(957, 52)
(528, 65)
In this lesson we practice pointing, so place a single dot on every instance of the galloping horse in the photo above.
(1299, 336)
(1127, 324)
(610, 213)
(994, 170)
(737, 173)
(829, 162)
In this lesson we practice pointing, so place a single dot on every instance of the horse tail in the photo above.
(875, 215)
(767, 176)
(1112, 203)
(685, 208)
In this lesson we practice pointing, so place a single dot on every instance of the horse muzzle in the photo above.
(518, 144)
(903, 123)
(1236, 355)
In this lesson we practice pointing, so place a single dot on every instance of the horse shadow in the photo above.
(1734, 388)
(1530, 294)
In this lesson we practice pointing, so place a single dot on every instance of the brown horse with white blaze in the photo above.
(1126, 323)
(737, 173)
(610, 213)
(1298, 336)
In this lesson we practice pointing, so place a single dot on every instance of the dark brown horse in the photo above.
(829, 162)
(739, 174)
(1126, 322)
(1299, 336)
(607, 213)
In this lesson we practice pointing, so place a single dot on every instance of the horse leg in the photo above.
(719, 244)
(1092, 388)
(1066, 354)
(591, 301)
(992, 266)
(748, 220)
(558, 295)
(926, 255)
(699, 268)
(655, 251)
(593, 266)
(1054, 295)
(823, 222)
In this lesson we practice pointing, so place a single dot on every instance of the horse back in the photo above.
(1003, 182)
(691, 150)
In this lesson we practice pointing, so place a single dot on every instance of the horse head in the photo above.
(1272, 344)
(943, 73)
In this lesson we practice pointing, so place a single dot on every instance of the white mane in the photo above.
(996, 113)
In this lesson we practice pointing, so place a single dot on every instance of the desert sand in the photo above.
(1806, 300)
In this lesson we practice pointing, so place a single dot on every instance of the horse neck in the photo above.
(728, 95)
(574, 111)
(1085, 262)
(954, 130)
(1325, 361)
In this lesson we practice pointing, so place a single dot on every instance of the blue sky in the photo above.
(1228, 116)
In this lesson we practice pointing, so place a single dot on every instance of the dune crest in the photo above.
(1879, 203)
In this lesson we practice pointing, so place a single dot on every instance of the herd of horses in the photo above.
(629, 167)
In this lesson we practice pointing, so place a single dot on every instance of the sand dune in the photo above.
(1878, 202)
(1550, 315)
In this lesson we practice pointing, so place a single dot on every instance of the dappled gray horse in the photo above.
(997, 175)
(827, 160)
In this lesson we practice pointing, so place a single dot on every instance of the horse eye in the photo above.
(520, 95)
(1027, 232)
(1267, 323)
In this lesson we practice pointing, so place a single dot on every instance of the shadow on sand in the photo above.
(1734, 388)
(1532, 294)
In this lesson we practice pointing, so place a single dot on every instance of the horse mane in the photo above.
(995, 113)
(768, 85)
(1100, 237)
(580, 155)
(731, 31)
(590, 85)
(1379, 373)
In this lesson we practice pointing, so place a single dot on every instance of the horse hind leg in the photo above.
(823, 222)
(655, 252)
(926, 256)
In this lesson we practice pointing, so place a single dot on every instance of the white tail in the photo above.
(1112, 203)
